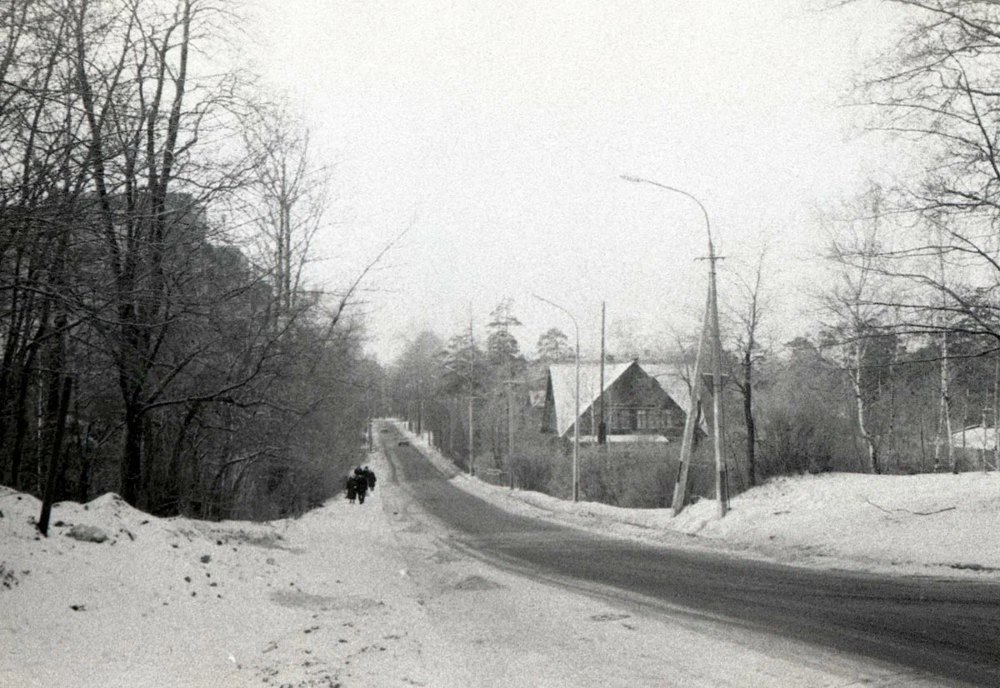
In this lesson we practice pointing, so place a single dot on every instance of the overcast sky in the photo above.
(499, 131)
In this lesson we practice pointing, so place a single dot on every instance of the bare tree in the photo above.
(754, 304)
(856, 301)
(287, 200)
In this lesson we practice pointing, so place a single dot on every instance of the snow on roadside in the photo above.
(930, 524)
(177, 602)
(352, 596)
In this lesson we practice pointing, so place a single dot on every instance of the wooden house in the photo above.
(636, 406)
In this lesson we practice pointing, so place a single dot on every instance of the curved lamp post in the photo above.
(576, 422)
(713, 310)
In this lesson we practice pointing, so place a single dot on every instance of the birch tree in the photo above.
(856, 301)
(747, 318)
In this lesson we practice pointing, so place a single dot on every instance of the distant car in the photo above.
(384, 430)
(403, 443)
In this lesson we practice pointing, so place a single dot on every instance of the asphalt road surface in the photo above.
(945, 627)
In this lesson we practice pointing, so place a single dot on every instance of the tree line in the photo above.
(156, 217)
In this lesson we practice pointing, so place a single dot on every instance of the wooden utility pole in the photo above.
(713, 311)
(472, 392)
(510, 431)
(602, 428)
(710, 328)
(687, 441)
(718, 425)
(472, 438)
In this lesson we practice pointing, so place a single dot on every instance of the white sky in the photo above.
(500, 130)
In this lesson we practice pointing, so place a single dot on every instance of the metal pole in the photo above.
(576, 420)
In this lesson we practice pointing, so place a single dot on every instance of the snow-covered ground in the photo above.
(374, 595)
(932, 524)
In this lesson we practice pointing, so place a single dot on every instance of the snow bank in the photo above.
(176, 602)
(364, 596)
(932, 524)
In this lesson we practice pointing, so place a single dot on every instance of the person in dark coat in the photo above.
(352, 488)
(370, 475)
(361, 481)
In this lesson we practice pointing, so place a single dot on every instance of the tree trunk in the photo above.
(856, 381)
(131, 465)
(747, 389)
(945, 425)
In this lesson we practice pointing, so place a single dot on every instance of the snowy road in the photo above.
(947, 632)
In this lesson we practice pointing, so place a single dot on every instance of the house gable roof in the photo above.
(669, 377)
(563, 378)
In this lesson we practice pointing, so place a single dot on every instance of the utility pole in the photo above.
(472, 394)
(687, 441)
(721, 491)
(472, 438)
(510, 430)
(602, 428)
(718, 425)
(576, 422)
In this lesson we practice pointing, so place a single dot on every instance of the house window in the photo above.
(643, 419)
(648, 419)
(622, 419)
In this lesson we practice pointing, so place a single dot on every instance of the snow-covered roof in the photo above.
(670, 378)
(563, 376)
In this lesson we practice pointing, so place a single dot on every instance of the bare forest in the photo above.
(158, 335)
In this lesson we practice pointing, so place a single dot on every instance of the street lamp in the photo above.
(576, 421)
(713, 305)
